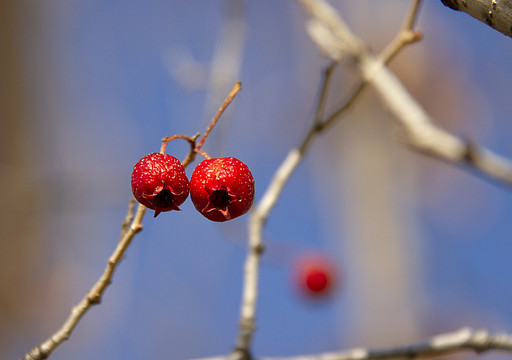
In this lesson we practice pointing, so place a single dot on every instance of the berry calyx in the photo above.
(222, 189)
(160, 183)
(315, 275)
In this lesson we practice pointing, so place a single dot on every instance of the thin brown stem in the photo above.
(167, 139)
(317, 125)
(203, 154)
(192, 152)
(231, 96)
(356, 93)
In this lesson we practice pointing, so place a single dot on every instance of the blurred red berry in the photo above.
(160, 183)
(315, 275)
(222, 189)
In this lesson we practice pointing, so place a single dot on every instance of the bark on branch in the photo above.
(495, 13)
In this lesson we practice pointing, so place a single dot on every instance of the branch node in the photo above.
(470, 155)
(94, 298)
(318, 127)
(137, 228)
(36, 354)
(417, 35)
(259, 249)
(481, 341)
(240, 354)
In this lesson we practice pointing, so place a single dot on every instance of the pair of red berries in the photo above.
(221, 189)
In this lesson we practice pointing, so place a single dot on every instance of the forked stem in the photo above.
(192, 141)
(197, 148)
(168, 139)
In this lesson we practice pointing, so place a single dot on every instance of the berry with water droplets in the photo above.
(222, 189)
(160, 183)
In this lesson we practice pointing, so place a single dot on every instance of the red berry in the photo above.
(222, 189)
(159, 182)
(315, 275)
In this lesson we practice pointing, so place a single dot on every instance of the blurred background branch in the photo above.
(262, 210)
(332, 36)
(479, 341)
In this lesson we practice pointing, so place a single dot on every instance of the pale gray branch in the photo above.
(332, 36)
(257, 220)
(261, 211)
(495, 13)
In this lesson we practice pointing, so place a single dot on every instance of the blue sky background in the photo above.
(102, 96)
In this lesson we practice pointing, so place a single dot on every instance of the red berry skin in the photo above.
(222, 189)
(315, 276)
(160, 183)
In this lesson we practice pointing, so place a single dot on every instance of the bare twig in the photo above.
(324, 90)
(333, 37)
(406, 36)
(262, 210)
(94, 295)
(356, 93)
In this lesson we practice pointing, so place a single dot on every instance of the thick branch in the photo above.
(495, 13)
